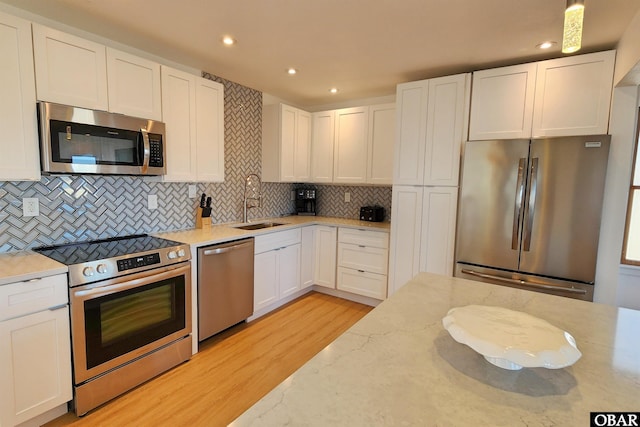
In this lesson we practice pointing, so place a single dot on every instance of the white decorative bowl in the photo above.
(511, 339)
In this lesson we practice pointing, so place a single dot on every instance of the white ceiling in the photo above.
(363, 47)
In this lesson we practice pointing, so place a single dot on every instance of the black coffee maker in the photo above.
(305, 201)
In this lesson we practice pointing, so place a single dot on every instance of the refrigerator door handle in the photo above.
(517, 209)
(530, 208)
(524, 282)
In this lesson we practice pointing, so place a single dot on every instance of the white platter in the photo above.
(511, 339)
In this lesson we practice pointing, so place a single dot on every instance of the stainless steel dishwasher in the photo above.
(225, 286)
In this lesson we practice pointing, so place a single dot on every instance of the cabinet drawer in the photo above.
(373, 260)
(362, 283)
(271, 241)
(21, 298)
(356, 236)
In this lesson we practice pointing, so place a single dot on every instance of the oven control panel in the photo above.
(138, 261)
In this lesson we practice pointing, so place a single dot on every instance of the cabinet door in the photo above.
(209, 130)
(69, 69)
(265, 282)
(438, 233)
(350, 151)
(35, 365)
(322, 146)
(302, 162)
(447, 114)
(573, 95)
(288, 134)
(502, 103)
(325, 256)
(289, 269)
(178, 113)
(362, 283)
(406, 217)
(411, 125)
(381, 138)
(307, 256)
(133, 85)
(18, 140)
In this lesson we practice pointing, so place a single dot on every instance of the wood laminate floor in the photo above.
(232, 370)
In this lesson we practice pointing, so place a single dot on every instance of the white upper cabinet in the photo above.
(322, 146)
(411, 127)
(447, 113)
(178, 113)
(133, 85)
(209, 130)
(558, 97)
(381, 137)
(573, 95)
(19, 158)
(350, 149)
(193, 112)
(354, 145)
(502, 102)
(431, 126)
(286, 144)
(69, 70)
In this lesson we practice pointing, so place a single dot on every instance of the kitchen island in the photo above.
(398, 366)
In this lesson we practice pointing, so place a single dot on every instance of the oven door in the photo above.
(116, 321)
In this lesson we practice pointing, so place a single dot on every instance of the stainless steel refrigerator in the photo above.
(529, 213)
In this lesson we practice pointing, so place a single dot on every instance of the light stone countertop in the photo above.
(219, 233)
(398, 366)
(27, 265)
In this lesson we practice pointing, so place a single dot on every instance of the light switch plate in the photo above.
(152, 201)
(30, 206)
(347, 197)
(192, 191)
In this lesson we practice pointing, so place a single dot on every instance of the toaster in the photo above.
(372, 213)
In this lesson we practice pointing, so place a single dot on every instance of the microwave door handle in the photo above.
(146, 150)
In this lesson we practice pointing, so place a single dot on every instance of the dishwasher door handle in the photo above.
(218, 251)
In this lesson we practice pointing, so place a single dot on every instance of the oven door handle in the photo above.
(123, 284)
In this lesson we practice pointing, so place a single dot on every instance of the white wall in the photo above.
(610, 285)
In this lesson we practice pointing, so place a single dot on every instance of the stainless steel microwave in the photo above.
(79, 141)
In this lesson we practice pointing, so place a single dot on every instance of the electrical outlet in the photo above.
(192, 191)
(152, 201)
(347, 197)
(30, 206)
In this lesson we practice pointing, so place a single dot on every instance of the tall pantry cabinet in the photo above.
(432, 117)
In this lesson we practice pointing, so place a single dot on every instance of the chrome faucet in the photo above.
(252, 194)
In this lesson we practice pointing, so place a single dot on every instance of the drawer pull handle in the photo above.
(57, 307)
(361, 246)
(361, 271)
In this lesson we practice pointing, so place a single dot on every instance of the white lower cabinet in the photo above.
(422, 232)
(325, 256)
(35, 349)
(363, 262)
(307, 256)
(276, 267)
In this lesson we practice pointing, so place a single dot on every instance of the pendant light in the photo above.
(573, 15)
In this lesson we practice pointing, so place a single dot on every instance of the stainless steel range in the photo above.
(130, 300)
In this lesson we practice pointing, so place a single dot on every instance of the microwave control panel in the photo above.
(156, 151)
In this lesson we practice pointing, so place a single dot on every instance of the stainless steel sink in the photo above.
(258, 225)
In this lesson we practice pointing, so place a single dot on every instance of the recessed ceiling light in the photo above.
(228, 40)
(546, 45)
(292, 71)
(333, 90)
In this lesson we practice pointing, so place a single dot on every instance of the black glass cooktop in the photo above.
(79, 253)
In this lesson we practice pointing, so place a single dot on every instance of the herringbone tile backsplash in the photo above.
(80, 208)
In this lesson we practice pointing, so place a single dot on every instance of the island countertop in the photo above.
(398, 366)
